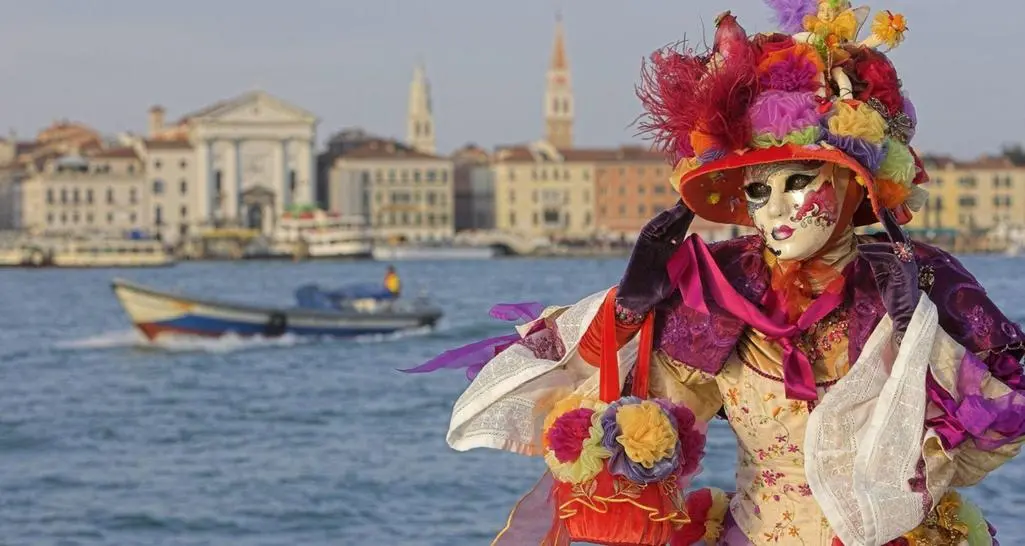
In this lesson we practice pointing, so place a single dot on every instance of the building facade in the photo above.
(99, 191)
(247, 160)
(402, 193)
(541, 190)
(474, 189)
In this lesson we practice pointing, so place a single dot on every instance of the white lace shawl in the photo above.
(504, 406)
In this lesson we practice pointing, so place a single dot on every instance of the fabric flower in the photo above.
(889, 28)
(567, 434)
(864, 123)
(567, 404)
(807, 137)
(779, 113)
(790, 14)
(899, 164)
(590, 461)
(912, 114)
(864, 152)
(873, 76)
(645, 437)
(796, 68)
(765, 44)
(692, 438)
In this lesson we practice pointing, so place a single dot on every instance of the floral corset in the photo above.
(774, 503)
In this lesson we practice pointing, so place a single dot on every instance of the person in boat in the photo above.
(392, 283)
(866, 377)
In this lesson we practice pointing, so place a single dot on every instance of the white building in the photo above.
(239, 162)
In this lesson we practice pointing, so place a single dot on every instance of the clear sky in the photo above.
(104, 62)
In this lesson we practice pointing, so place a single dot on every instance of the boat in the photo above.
(74, 252)
(431, 252)
(314, 233)
(157, 312)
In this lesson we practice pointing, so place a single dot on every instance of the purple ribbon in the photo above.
(694, 270)
(474, 356)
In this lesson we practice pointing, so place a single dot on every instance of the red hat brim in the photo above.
(715, 190)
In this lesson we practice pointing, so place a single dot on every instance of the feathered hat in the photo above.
(810, 92)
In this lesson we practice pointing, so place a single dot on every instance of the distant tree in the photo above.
(1014, 152)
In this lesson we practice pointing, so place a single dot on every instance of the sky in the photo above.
(105, 62)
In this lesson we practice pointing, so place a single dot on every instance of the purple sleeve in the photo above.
(994, 348)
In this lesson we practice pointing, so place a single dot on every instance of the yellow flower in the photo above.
(864, 122)
(889, 28)
(589, 464)
(683, 167)
(647, 435)
(713, 198)
(716, 514)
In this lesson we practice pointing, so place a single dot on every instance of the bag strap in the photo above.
(608, 370)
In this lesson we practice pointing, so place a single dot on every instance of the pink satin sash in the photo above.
(693, 270)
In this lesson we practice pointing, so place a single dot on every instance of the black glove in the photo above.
(646, 281)
(896, 273)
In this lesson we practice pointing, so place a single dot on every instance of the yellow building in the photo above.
(544, 191)
(973, 196)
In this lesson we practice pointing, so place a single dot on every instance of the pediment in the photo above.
(256, 107)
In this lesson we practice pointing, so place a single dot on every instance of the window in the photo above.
(183, 164)
(133, 196)
(659, 189)
(156, 165)
(64, 195)
(512, 219)
(966, 201)
(64, 218)
(74, 217)
(555, 174)
(512, 196)
(967, 182)
(110, 196)
(642, 210)
(217, 182)
(49, 197)
(184, 211)
(587, 219)
(183, 187)
(431, 175)
(291, 180)
(158, 215)
(158, 187)
(131, 168)
(391, 175)
(640, 190)
(416, 175)
(551, 216)
(89, 196)
(49, 218)
(405, 175)
(110, 217)
(74, 196)
(131, 218)
(512, 175)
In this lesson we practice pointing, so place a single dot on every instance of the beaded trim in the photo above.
(627, 316)
(904, 252)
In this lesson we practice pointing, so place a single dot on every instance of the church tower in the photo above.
(420, 120)
(559, 94)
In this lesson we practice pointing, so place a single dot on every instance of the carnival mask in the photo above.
(796, 205)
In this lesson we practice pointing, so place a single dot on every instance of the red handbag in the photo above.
(610, 509)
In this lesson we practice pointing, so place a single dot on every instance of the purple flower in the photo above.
(790, 14)
(869, 155)
(794, 73)
(780, 113)
(909, 111)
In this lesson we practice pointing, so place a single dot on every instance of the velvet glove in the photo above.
(896, 274)
(646, 282)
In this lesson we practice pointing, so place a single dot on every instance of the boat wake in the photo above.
(179, 343)
(225, 344)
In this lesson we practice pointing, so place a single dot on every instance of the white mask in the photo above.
(795, 205)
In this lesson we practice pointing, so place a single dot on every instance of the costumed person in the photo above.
(866, 378)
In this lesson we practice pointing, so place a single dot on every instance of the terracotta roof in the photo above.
(115, 153)
(988, 162)
(522, 154)
(168, 145)
(386, 149)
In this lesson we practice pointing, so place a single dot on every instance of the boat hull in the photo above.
(388, 254)
(155, 313)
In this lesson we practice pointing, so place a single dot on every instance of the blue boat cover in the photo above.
(312, 296)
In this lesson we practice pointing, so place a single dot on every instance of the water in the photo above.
(104, 440)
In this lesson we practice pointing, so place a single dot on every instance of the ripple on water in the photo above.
(107, 440)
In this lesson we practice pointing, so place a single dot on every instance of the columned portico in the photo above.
(256, 142)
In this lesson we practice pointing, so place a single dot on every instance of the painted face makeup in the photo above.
(795, 205)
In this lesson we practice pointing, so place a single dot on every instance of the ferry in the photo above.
(320, 234)
(84, 253)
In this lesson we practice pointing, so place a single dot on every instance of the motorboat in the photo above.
(317, 313)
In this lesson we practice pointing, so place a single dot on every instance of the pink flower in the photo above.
(567, 434)
(779, 113)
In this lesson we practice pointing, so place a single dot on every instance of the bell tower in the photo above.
(420, 119)
(559, 93)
